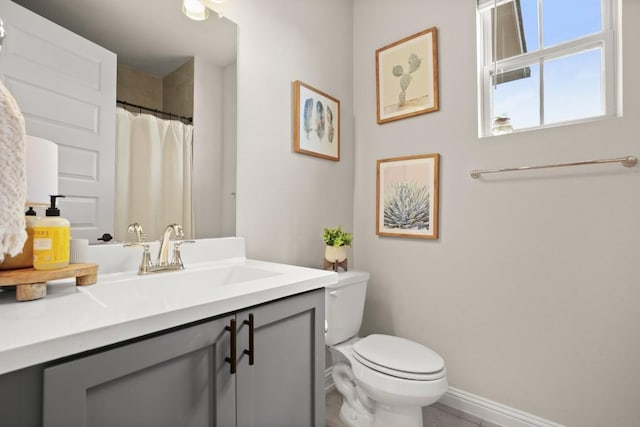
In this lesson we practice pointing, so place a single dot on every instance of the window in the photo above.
(544, 62)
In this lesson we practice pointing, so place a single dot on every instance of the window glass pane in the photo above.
(518, 99)
(529, 11)
(564, 20)
(573, 87)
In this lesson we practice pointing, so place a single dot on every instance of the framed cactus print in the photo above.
(407, 196)
(316, 118)
(407, 77)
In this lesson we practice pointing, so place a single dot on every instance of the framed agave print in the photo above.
(407, 77)
(316, 128)
(407, 196)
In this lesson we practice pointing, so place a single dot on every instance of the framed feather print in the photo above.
(316, 122)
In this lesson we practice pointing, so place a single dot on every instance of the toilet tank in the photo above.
(344, 305)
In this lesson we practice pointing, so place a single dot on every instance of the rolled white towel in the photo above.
(13, 176)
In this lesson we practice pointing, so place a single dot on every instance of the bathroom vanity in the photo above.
(228, 341)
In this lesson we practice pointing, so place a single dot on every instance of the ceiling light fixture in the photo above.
(195, 10)
(198, 10)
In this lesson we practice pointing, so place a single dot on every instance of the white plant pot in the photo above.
(335, 253)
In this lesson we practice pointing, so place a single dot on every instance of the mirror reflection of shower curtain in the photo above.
(153, 174)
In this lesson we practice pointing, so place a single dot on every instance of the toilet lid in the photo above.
(399, 357)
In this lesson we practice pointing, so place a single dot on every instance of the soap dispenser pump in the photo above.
(51, 237)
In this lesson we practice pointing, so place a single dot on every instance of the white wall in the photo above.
(285, 199)
(531, 294)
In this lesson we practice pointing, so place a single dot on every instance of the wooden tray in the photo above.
(31, 284)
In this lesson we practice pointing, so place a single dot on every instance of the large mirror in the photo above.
(153, 38)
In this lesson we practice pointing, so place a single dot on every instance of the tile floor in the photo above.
(332, 408)
(436, 415)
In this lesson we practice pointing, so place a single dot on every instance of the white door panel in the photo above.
(66, 89)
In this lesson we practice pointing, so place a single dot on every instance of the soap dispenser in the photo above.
(51, 236)
(25, 258)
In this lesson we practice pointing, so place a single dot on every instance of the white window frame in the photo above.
(606, 40)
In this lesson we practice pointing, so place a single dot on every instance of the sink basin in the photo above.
(172, 288)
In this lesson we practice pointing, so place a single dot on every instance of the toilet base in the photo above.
(393, 416)
(384, 416)
(353, 418)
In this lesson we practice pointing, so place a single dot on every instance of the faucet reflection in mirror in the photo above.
(137, 229)
(162, 261)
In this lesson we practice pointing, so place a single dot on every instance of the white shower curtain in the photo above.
(153, 174)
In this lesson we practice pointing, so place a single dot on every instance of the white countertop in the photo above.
(121, 305)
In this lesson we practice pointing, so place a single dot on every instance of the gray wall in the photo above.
(208, 141)
(214, 153)
(229, 138)
(530, 293)
(285, 199)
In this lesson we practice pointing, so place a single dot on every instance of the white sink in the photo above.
(123, 305)
(121, 289)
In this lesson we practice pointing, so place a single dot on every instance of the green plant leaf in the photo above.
(336, 237)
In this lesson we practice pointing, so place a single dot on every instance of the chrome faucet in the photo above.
(162, 262)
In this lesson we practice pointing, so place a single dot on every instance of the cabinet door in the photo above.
(176, 379)
(285, 385)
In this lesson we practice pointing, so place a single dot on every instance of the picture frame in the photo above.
(407, 77)
(407, 196)
(316, 123)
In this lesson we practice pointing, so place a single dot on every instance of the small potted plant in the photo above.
(337, 241)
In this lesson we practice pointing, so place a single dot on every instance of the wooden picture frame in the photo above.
(407, 77)
(407, 196)
(316, 118)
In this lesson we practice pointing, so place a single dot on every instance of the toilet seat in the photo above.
(399, 357)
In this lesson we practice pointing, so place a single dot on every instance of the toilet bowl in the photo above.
(384, 380)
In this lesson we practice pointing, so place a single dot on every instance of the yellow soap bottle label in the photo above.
(50, 247)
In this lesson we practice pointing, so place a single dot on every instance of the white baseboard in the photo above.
(328, 380)
(491, 411)
(480, 407)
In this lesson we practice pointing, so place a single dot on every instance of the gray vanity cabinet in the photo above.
(284, 387)
(185, 377)
(178, 378)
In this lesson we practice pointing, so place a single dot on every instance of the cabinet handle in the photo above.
(250, 352)
(232, 360)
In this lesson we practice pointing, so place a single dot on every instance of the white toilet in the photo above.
(384, 380)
